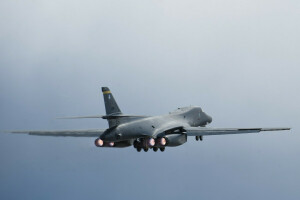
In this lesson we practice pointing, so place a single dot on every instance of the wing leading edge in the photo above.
(196, 131)
(65, 133)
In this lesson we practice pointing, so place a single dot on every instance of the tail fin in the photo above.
(111, 105)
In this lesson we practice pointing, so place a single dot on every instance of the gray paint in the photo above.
(238, 60)
(111, 106)
(127, 130)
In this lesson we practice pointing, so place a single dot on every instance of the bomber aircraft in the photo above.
(148, 132)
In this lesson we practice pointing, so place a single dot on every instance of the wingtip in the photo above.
(276, 129)
(7, 131)
(4, 131)
(62, 118)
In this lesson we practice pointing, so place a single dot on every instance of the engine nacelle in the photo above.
(161, 142)
(174, 140)
(149, 142)
(101, 143)
(144, 143)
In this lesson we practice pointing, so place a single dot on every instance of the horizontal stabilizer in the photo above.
(103, 116)
(82, 117)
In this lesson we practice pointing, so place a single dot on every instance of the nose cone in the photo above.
(209, 119)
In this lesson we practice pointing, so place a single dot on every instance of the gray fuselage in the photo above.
(153, 127)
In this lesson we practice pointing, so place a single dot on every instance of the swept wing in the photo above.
(198, 131)
(65, 133)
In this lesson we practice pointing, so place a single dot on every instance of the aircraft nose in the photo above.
(209, 119)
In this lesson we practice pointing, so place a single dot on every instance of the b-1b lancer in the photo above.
(148, 132)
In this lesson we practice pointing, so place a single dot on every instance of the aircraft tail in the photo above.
(111, 105)
(113, 115)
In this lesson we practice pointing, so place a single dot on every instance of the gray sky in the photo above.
(238, 60)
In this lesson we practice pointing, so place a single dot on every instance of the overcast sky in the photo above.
(238, 60)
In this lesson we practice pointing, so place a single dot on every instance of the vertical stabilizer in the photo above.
(111, 105)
